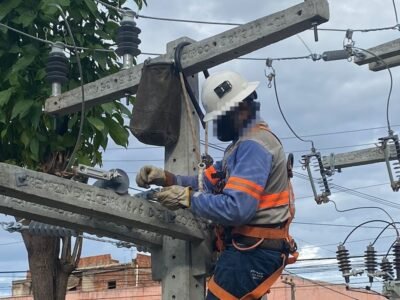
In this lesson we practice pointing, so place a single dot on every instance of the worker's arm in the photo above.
(238, 202)
(208, 181)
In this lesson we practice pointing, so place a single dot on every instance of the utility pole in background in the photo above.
(292, 285)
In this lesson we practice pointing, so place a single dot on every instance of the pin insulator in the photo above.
(57, 65)
(370, 262)
(128, 35)
(387, 269)
(37, 228)
(396, 260)
(342, 255)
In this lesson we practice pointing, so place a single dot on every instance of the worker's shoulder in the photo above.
(264, 137)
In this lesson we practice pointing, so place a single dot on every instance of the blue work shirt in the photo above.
(249, 162)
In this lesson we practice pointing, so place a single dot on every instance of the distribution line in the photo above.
(238, 24)
(355, 193)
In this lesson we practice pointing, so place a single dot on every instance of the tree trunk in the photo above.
(49, 264)
(50, 268)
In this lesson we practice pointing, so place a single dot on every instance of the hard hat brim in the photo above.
(251, 87)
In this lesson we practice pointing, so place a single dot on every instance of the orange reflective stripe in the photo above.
(247, 183)
(243, 189)
(274, 200)
(261, 232)
(208, 172)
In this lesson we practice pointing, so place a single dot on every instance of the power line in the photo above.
(319, 284)
(395, 11)
(238, 24)
(355, 193)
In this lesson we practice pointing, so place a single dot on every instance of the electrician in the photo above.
(248, 193)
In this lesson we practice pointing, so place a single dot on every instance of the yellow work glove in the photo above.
(174, 197)
(153, 175)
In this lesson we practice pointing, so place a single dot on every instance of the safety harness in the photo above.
(262, 234)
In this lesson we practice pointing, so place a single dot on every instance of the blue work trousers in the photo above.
(240, 272)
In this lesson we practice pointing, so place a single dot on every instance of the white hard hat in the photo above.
(223, 91)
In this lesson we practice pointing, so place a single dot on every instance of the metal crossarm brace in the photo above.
(201, 55)
(94, 202)
(53, 216)
(384, 51)
(359, 157)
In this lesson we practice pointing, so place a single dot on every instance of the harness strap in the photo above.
(257, 293)
(261, 233)
(219, 291)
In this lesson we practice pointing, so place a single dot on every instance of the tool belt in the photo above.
(279, 245)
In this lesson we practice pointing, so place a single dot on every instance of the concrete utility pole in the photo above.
(389, 52)
(201, 55)
(292, 287)
(358, 157)
(183, 259)
(78, 222)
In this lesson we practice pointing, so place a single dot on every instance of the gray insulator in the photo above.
(37, 228)
(342, 255)
(396, 260)
(387, 269)
(370, 261)
(335, 55)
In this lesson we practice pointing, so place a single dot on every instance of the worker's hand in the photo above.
(150, 175)
(174, 197)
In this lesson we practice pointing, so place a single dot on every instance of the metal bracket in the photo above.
(96, 172)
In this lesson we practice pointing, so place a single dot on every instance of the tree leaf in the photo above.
(34, 147)
(93, 8)
(5, 96)
(96, 123)
(7, 6)
(21, 108)
(117, 132)
(25, 138)
(23, 62)
(108, 107)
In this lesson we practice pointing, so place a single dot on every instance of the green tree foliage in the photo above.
(28, 137)
(38, 141)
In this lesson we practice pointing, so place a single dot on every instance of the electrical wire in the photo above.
(52, 43)
(354, 189)
(390, 248)
(238, 24)
(321, 285)
(305, 44)
(26, 34)
(353, 192)
(391, 83)
(382, 231)
(367, 207)
(283, 115)
(367, 222)
(395, 11)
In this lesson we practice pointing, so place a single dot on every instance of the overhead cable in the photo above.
(363, 30)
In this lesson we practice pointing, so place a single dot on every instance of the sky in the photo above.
(316, 97)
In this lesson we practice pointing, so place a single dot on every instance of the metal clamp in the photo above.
(96, 173)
